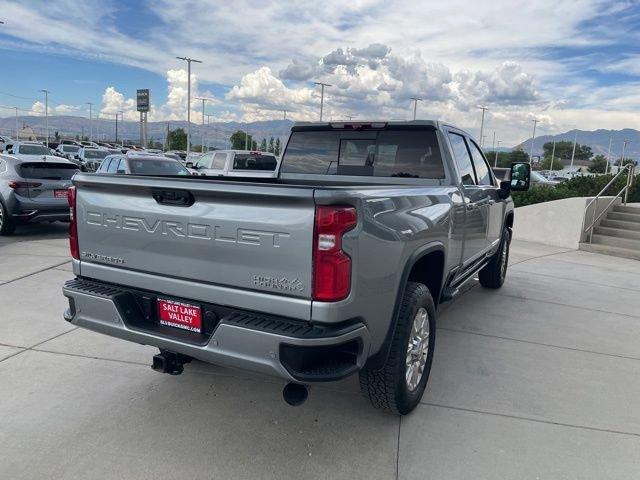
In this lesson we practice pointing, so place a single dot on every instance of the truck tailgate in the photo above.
(246, 235)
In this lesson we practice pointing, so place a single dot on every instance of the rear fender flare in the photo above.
(378, 359)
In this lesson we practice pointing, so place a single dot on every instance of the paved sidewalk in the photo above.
(539, 380)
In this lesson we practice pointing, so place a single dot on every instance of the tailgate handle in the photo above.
(175, 198)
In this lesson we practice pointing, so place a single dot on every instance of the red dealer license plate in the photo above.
(180, 315)
(60, 193)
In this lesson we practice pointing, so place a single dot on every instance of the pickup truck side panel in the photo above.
(395, 222)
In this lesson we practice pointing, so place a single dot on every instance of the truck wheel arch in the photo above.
(419, 268)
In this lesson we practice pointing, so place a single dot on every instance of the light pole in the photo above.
(189, 60)
(117, 127)
(493, 144)
(533, 139)
(484, 109)
(322, 85)
(495, 162)
(284, 114)
(553, 154)
(214, 130)
(46, 113)
(204, 99)
(90, 122)
(624, 146)
(606, 168)
(415, 105)
(17, 131)
(573, 152)
(122, 136)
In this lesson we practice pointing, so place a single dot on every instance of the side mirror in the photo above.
(520, 177)
(190, 165)
(120, 171)
(505, 189)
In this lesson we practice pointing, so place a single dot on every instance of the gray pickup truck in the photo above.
(336, 266)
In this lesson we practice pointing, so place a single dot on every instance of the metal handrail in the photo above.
(594, 220)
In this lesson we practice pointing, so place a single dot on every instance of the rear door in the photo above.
(49, 180)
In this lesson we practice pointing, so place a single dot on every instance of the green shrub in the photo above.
(576, 187)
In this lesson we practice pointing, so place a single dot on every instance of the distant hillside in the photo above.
(598, 140)
(70, 126)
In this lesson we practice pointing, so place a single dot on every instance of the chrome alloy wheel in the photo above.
(417, 349)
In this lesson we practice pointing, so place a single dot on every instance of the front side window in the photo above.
(480, 164)
(462, 158)
(113, 166)
(205, 161)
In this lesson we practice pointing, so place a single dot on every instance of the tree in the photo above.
(177, 139)
(150, 143)
(564, 149)
(56, 135)
(276, 149)
(627, 161)
(598, 164)
(505, 159)
(263, 145)
(240, 140)
(546, 164)
(270, 149)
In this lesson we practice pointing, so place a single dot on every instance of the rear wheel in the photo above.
(399, 385)
(6, 225)
(492, 275)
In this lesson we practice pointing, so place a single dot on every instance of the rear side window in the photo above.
(48, 171)
(254, 162)
(462, 158)
(384, 153)
(219, 160)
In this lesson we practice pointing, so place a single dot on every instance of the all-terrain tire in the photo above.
(387, 388)
(492, 275)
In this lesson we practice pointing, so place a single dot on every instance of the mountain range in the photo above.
(217, 133)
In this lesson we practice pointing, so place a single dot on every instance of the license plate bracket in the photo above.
(178, 314)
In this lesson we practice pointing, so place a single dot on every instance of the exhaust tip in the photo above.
(295, 394)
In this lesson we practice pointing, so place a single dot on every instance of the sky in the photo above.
(569, 64)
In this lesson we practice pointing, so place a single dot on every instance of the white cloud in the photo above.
(377, 53)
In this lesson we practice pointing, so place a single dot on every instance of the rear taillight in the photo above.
(13, 184)
(73, 225)
(331, 265)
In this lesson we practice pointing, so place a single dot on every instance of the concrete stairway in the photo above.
(618, 233)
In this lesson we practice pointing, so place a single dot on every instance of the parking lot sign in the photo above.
(143, 100)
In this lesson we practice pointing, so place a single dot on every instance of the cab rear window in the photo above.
(379, 153)
(254, 162)
(47, 171)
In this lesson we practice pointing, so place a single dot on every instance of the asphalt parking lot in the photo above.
(539, 380)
